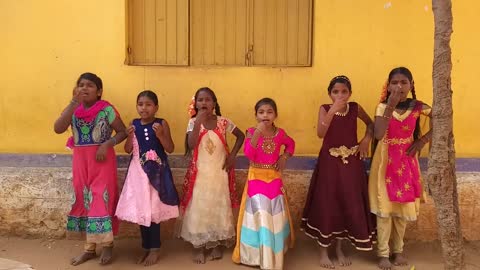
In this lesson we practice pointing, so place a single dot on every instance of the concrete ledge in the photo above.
(179, 161)
(34, 202)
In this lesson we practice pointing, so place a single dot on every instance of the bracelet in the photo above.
(114, 141)
(324, 124)
(74, 102)
(390, 107)
(384, 116)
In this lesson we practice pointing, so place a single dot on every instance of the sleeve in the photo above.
(250, 151)
(289, 144)
(426, 109)
(380, 109)
(190, 125)
(230, 126)
(111, 113)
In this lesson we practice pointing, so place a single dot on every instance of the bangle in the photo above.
(390, 107)
(384, 116)
(324, 124)
(74, 102)
(114, 141)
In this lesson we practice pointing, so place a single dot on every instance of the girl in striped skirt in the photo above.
(264, 228)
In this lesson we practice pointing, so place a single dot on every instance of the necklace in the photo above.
(268, 144)
(344, 113)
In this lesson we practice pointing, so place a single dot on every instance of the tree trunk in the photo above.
(442, 180)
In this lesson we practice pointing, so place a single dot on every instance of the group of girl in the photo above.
(340, 201)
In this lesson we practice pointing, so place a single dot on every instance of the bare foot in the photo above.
(342, 259)
(82, 258)
(215, 254)
(384, 264)
(198, 256)
(152, 257)
(399, 259)
(106, 256)
(324, 260)
(142, 258)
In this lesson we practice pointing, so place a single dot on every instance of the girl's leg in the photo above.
(145, 244)
(107, 253)
(324, 260)
(89, 253)
(399, 226)
(384, 229)
(216, 253)
(199, 255)
(342, 259)
(154, 238)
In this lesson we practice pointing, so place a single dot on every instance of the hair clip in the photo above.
(191, 108)
(343, 77)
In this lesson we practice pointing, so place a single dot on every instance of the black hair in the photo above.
(93, 78)
(149, 94)
(217, 110)
(407, 73)
(340, 79)
(214, 98)
(266, 101)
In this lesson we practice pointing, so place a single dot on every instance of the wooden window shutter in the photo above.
(282, 32)
(157, 32)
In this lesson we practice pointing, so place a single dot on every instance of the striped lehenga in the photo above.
(264, 227)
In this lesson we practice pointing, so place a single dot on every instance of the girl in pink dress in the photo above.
(94, 167)
(264, 227)
(395, 184)
(149, 195)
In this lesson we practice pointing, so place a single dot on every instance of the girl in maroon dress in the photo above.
(337, 203)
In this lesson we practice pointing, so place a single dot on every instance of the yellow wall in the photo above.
(45, 45)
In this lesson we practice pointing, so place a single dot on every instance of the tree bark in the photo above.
(442, 179)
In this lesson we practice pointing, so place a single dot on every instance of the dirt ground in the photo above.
(55, 255)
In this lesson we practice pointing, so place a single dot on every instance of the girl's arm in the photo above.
(287, 153)
(238, 142)
(193, 135)
(120, 135)
(381, 122)
(289, 145)
(128, 147)
(251, 142)
(419, 143)
(383, 119)
(257, 133)
(162, 131)
(230, 161)
(65, 119)
(324, 120)
(365, 142)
